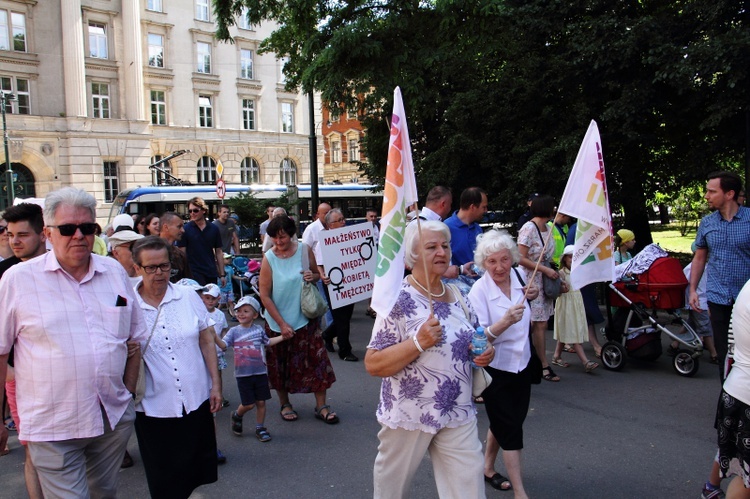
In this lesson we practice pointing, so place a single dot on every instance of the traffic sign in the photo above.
(221, 188)
(219, 169)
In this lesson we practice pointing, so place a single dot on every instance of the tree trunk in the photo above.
(636, 219)
(663, 213)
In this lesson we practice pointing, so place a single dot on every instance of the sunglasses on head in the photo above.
(68, 230)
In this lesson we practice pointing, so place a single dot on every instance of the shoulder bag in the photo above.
(140, 386)
(481, 379)
(313, 304)
(552, 288)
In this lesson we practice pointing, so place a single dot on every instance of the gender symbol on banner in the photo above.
(366, 249)
(340, 276)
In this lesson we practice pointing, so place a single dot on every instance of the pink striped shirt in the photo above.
(70, 342)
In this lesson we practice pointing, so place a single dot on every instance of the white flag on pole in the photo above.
(399, 193)
(586, 199)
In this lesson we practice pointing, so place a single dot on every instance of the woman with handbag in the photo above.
(342, 316)
(426, 392)
(300, 364)
(498, 299)
(174, 422)
(531, 239)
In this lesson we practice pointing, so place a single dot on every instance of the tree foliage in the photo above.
(499, 93)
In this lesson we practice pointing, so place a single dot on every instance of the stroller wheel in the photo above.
(685, 364)
(614, 356)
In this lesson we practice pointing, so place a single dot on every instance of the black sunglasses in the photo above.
(3, 228)
(68, 230)
(195, 210)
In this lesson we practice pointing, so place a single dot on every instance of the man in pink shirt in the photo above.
(69, 315)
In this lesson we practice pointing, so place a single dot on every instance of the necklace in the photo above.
(434, 295)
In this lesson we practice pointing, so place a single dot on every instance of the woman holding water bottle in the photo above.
(424, 360)
(503, 310)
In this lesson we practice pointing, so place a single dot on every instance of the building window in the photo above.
(204, 57)
(98, 40)
(248, 114)
(353, 149)
(249, 171)
(201, 10)
(288, 172)
(100, 100)
(246, 64)
(335, 151)
(22, 104)
(205, 112)
(158, 177)
(242, 20)
(351, 114)
(154, 5)
(155, 50)
(206, 170)
(287, 117)
(16, 31)
(158, 108)
(111, 181)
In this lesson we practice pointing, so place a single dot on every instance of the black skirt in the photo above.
(179, 454)
(507, 403)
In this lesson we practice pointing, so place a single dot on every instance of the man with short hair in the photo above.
(230, 242)
(723, 249)
(312, 232)
(69, 315)
(464, 231)
(27, 240)
(264, 224)
(172, 230)
(201, 242)
(437, 205)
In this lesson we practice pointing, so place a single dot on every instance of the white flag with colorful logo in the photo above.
(400, 192)
(586, 199)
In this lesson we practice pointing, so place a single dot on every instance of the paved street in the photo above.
(642, 432)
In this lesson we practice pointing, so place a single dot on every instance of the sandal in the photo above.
(559, 362)
(479, 400)
(262, 434)
(329, 417)
(10, 424)
(549, 375)
(290, 415)
(498, 481)
(714, 360)
(569, 349)
(590, 366)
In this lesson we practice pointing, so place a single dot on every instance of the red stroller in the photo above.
(636, 327)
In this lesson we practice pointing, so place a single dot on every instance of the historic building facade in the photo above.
(342, 135)
(104, 88)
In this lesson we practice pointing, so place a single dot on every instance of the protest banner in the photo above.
(349, 257)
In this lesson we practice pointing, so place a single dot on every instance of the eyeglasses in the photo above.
(3, 228)
(340, 220)
(195, 210)
(151, 269)
(68, 230)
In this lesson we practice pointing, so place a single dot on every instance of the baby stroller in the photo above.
(658, 284)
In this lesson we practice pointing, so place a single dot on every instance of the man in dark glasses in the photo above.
(202, 244)
(69, 315)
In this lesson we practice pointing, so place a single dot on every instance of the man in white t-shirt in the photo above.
(312, 233)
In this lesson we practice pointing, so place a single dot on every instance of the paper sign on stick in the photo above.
(349, 258)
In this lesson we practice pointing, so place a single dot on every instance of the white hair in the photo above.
(411, 248)
(70, 196)
(492, 242)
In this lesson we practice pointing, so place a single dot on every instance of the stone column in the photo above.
(132, 64)
(73, 58)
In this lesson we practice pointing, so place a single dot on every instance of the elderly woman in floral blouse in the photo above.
(423, 358)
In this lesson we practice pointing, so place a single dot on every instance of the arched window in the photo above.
(206, 170)
(288, 172)
(23, 183)
(157, 177)
(249, 171)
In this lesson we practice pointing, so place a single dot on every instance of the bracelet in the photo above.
(416, 343)
(460, 269)
(489, 333)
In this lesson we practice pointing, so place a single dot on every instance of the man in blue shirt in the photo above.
(723, 248)
(464, 231)
(202, 244)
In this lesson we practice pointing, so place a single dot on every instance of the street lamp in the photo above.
(4, 98)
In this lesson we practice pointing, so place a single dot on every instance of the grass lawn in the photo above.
(669, 238)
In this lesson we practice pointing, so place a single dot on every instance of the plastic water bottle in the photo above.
(478, 343)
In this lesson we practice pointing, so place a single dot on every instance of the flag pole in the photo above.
(538, 262)
(424, 262)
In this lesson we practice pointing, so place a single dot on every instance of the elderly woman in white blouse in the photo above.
(174, 421)
(423, 358)
(498, 300)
